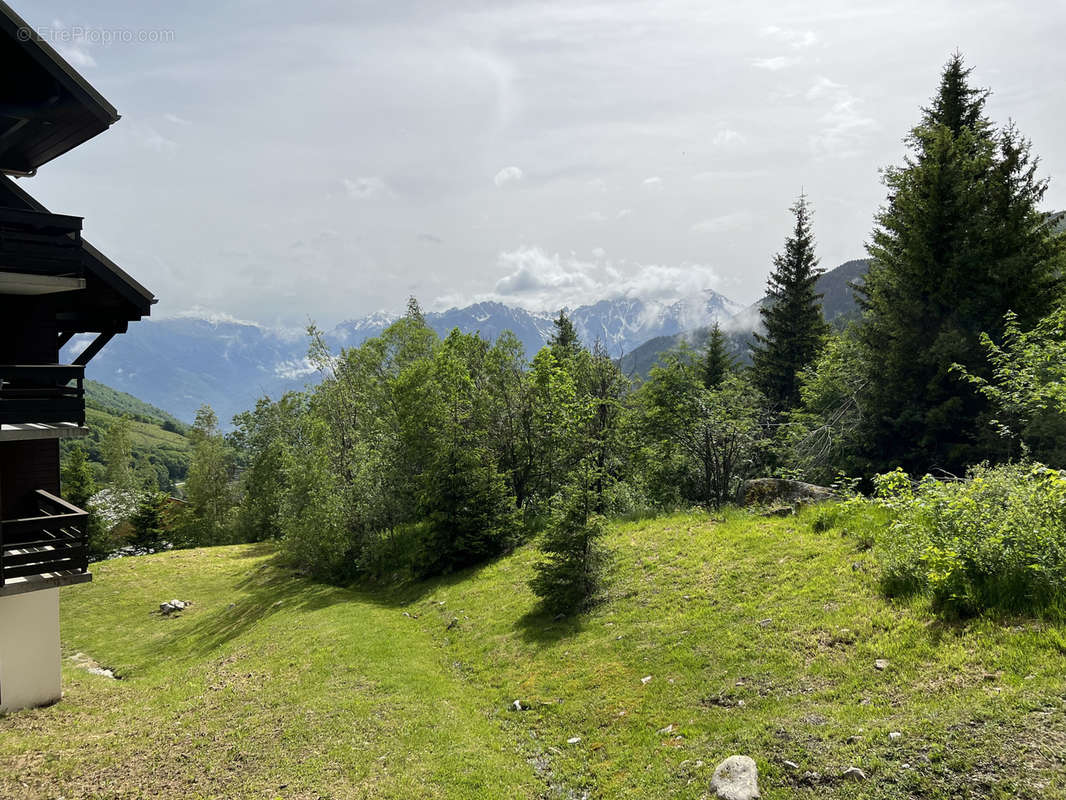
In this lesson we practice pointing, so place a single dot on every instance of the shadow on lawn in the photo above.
(540, 628)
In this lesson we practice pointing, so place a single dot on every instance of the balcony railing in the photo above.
(39, 242)
(42, 393)
(54, 541)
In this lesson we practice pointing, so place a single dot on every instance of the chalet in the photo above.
(54, 285)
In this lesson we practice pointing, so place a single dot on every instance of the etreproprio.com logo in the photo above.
(105, 36)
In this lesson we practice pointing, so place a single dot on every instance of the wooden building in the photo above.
(53, 285)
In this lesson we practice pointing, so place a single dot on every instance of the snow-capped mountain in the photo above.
(183, 362)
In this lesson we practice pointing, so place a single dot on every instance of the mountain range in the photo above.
(181, 363)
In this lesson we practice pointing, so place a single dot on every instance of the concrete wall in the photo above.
(29, 649)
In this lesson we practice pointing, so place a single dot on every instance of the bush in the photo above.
(996, 541)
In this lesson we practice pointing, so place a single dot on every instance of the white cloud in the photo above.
(174, 118)
(726, 137)
(149, 138)
(77, 55)
(774, 63)
(654, 180)
(537, 280)
(362, 188)
(293, 369)
(508, 175)
(593, 216)
(726, 222)
(624, 212)
(844, 126)
(793, 38)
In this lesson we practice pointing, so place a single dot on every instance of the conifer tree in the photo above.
(958, 244)
(716, 362)
(564, 341)
(794, 326)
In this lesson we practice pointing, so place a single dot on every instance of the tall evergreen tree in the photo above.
(794, 326)
(564, 341)
(716, 362)
(957, 245)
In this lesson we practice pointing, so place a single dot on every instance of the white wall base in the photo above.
(29, 650)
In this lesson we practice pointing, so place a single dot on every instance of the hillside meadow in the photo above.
(718, 635)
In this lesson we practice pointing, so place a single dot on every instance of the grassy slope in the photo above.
(273, 687)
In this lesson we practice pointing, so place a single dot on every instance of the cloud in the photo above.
(430, 238)
(508, 175)
(293, 369)
(624, 212)
(726, 137)
(362, 188)
(654, 180)
(174, 118)
(537, 280)
(793, 38)
(844, 126)
(76, 55)
(593, 216)
(726, 222)
(148, 138)
(774, 63)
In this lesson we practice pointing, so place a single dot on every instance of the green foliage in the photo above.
(207, 516)
(118, 456)
(996, 541)
(822, 436)
(794, 326)
(717, 361)
(1027, 384)
(699, 443)
(959, 243)
(78, 487)
(149, 523)
(570, 571)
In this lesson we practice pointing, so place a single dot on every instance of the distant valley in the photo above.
(183, 362)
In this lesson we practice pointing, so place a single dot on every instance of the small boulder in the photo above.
(895, 736)
(736, 778)
(881, 664)
(853, 774)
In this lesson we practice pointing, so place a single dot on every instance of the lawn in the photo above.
(717, 636)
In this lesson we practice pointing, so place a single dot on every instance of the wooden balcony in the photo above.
(39, 242)
(45, 550)
(42, 394)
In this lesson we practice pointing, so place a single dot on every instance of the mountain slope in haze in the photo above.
(182, 363)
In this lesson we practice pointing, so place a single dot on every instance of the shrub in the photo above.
(996, 541)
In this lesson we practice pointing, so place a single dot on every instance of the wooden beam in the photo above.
(94, 347)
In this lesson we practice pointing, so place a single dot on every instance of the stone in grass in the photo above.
(573, 740)
(895, 736)
(736, 778)
(853, 774)
(881, 664)
(174, 605)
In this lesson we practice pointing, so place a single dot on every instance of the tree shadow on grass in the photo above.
(539, 627)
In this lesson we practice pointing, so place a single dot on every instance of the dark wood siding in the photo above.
(24, 468)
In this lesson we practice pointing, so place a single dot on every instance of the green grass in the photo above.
(759, 635)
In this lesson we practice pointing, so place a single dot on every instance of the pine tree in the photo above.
(795, 329)
(716, 362)
(564, 341)
(958, 244)
(149, 525)
(78, 486)
(569, 573)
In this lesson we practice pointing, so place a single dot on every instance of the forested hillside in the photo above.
(159, 447)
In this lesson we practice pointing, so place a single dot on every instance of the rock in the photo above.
(778, 491)
(791, 765)
(778, 511)
(573, 740)
(736, 778)
(881, 664)
(765, 622)
(853, 774)
(646, 680)
(173, 605)
(452, 624)
(517, 706)
(105, 673)
(895, 736)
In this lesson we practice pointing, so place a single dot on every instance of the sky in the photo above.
(325, 159)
